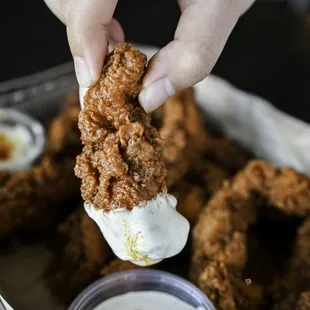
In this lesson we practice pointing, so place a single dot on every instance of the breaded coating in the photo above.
(182, 129)
(117, 265)
(292, 291)
(28, 195)
(226, 289)
(25, 194)
(221, 232)
(84, 253)
(225, 153)
(63, 135)
(191, 199)
(122, 163)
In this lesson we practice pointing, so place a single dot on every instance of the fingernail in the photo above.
(82, 71)
(154, 95)
(112, 44)
(82, 92)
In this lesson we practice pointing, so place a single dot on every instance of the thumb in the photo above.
(202, 32)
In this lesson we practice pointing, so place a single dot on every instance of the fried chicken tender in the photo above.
(183, 132)
(84, 253)
(295, 302)
(220, 234)
(63, 135)
(292, 291)
(117, 265)
(225, 153)
(27, 195)
(122, 162)
(24, 195)
(191, 199)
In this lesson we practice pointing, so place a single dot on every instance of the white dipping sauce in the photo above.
(144, 300)
(146, 234)
(20, 140)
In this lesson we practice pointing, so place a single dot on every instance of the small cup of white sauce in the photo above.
(142, 289)
(22, 140)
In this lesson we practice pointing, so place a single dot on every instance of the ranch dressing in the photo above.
(145, 300)
(14, 144)
(145, 235)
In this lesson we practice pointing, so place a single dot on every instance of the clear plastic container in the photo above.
(140, 280)
(29, 138)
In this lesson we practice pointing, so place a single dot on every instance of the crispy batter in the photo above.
(84, 254)
(191, 199)
(220, 234)
(292, 291)
(183, 132)
(117, 265)
(225, 153)
(122, 163)
(25, 194)
(294, 302)
(226, 289)
(63, 134)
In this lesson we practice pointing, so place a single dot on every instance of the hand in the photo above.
(90, 29)
(202, 32)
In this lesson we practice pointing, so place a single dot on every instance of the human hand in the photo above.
(202, 32)
(91, 29)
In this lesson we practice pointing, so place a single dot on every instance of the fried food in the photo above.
(295, 302)
(182, 129)
(24, 195)
(122, 162)
(63, 136)
(191, 199)
(84, 253)
(225, 153)
(219, 238)
(27, 195)
(117, 265)
(292, 290)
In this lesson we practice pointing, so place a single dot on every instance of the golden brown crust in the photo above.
(183, 132)
(226, 289)
(191, 199)
(220, 234)
(225, 153)
(63, 134)
(122, 162)
(117, 265)
(292, 291)
(25, 194)
(81, 258)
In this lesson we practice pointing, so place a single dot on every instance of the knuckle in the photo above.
(197, 61)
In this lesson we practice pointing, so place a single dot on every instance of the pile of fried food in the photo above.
(249, 246)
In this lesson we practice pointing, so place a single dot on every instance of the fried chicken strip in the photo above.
(84, 253)
(292, 291)
(117, 265)
(122, 162)
(183, 132)
(220, 234)
(122, 166)
(28, 195)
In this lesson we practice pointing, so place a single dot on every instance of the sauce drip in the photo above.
(6, 147)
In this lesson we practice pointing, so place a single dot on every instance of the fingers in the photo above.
(89, 27)
(202, 32)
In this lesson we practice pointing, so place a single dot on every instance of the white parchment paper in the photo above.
(251, 121)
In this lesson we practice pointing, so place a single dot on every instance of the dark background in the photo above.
(268, 52)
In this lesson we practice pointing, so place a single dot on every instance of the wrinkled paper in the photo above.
(245, 118)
